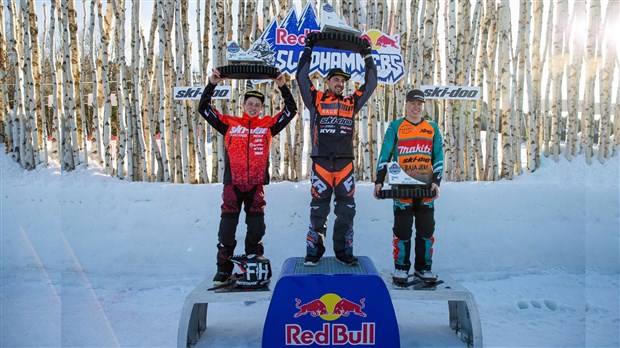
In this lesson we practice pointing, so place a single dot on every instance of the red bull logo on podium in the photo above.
(330, 307)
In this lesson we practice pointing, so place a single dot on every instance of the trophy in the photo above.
(337, 34)
(406, 186)
(248, 65)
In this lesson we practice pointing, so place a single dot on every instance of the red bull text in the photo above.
(330, 334)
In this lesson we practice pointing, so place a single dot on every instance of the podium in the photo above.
(332, 305)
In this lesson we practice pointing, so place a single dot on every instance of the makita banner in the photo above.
(281, 45)
(451, 92)
(194, 93)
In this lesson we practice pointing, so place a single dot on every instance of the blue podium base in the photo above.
(330, 305)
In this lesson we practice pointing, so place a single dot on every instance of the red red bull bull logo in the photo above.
(330, 307)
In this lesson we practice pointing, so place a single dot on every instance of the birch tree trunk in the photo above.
(162, 96)
(31, 131)
(17, 127)
(557, 65)
(480, 117)
(140, 153)
(69, 139)
(4, 99)
(503, 87)
(592, 62)
(182, 156)
(450, 148)
(544, 121)
(606, 78)
(535, 92)
(574, 78)
(490, 171)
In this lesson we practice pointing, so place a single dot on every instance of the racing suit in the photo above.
(332, 127)
(247, 141)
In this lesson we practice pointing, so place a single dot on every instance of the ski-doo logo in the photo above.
(336, 120)
(194, 93)
(244, 130)
(451, 92)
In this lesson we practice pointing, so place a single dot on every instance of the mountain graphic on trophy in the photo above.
(336, 34)
(255, 64)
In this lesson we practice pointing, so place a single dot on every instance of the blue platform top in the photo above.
(327, 265)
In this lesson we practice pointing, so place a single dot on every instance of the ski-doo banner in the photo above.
(281, 45)
(451, 92)
(194, 93)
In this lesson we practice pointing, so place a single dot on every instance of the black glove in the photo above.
(365, 49)
(311, 39)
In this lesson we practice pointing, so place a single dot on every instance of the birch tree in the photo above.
(557, 71)
(592, 59)
(31, 159)
(606, 78)
(574, 78)
(503, 87)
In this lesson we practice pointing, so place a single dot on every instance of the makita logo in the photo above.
(244, 130)
(336, 120)
(451, 92)
(416, 148)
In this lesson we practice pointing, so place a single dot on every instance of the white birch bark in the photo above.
(217, 140)
(162, 97)
(31, 159)
(491, 166)
(123, 161)
(481, 114)
(42, 99)
(557, 65)
(574, 78)
(15, 58)
(606, 79)
(69, 140)
(427, 52)
(545, 130)
(592, 63)
(507, 165)
(136, 102)
(450, 148)
(94, 63)
(182, 157)
(83, 62)
(535, 94)
(4, 99)
(105, 24)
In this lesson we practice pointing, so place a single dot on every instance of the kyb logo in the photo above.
(451, 92)
(194, 93)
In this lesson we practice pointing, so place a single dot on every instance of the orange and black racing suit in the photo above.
(247, 141)
(332, 127)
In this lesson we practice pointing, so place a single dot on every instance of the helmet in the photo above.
(255, 271)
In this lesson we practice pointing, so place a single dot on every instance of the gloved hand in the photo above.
(366, 49)
(311, 39)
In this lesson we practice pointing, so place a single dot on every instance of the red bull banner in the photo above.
(319, 310)
(281, 45)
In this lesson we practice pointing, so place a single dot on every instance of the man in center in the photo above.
(332, 130)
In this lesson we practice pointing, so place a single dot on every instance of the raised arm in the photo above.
(287, 114)
(204, 106)
(370, 81)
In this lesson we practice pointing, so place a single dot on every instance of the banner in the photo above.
(451, 92)
(194, 93)
(281, 45)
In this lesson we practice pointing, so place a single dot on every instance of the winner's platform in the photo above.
(333, 305)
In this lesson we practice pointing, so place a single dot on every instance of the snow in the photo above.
(90, 260)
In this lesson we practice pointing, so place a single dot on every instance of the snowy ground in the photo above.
(89, 260)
